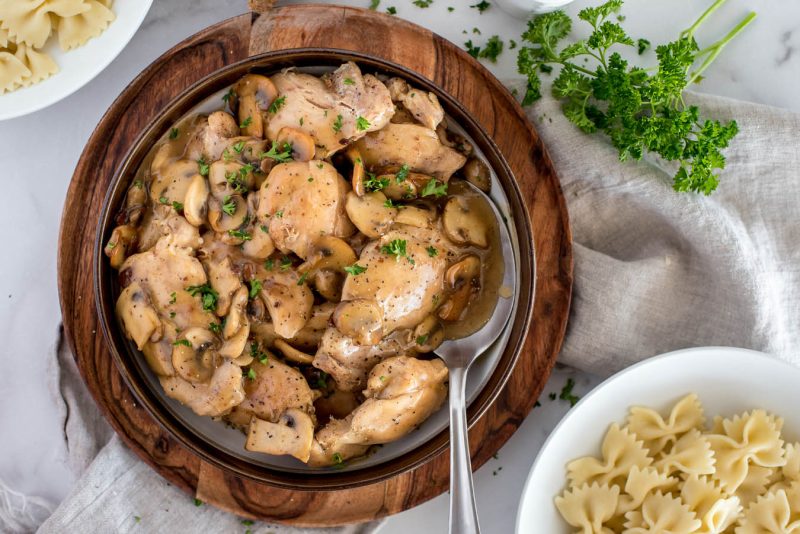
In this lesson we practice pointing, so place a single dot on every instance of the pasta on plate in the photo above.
(670, 474)
(26, 26)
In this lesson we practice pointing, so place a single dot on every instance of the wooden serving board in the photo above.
(330, 27)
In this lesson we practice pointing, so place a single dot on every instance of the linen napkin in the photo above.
(655, 271)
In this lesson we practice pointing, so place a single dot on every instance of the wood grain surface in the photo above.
(292, 27)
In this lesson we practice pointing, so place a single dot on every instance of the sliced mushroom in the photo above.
(292, 435)
(464, 279)
(194, 355)
(429, 334)
(477, 173)
(158, 356)
(226, 214)
(357, 180)
(293, 354)
(119, 244)
(414, 216)
(171, 182)
(227, 178)
(237, 326)
(254, 94)
(360, 319)
(369, 213)
(402, 190)
(329, 284)
(224, 281)
(195, 204)
(463, 224)
(138, 315)
(223, 124)
(135, 202)
(328, 253)
(302, 144)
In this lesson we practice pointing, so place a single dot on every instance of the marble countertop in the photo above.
(39, 153)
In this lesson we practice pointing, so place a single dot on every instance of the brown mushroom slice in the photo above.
(357, 180)
(158, 356)
(328, 253)
(172, 181)
(360, 319)
(226, 178)
(302, 144)
(464, 279)
(402, 190)
(463, 224)
(139, 317)
(414, 216)
(119, 244)
(369, 213)
(254, 94)
(227, 214)
(293, 354)
(135, 202)
(223, 124)
(329, 284)
(429, 334)
(291, 435)
(195, 204)
(194, 355)
(477, 173)
(237, 326)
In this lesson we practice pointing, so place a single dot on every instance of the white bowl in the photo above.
(727, 380)
(78, 66)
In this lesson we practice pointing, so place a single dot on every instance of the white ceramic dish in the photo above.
(727, 380)
(80, 65)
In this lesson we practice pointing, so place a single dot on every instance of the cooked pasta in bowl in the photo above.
(283, 253)
(724, 457)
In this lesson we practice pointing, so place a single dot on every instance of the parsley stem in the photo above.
(707, 13)
(716, 49)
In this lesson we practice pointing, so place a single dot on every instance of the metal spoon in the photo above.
(459, 354)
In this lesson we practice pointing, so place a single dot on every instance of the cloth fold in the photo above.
(655, 271)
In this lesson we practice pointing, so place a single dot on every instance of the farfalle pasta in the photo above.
(671, 474)
(26, 26)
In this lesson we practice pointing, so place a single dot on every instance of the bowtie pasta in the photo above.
(671, 475)
(26, 25)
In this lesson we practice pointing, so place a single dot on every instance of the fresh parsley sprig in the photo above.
(640, 110)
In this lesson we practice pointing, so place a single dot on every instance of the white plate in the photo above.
(78, 66)
(727, 380)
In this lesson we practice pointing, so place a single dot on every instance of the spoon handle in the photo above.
(463, 512)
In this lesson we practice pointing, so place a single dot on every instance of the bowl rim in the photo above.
(118, 346)
(621, 375)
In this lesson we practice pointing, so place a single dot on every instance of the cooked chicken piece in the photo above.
(164, 272)
(348, 363)
(404, 286)
(422, 105)
(307, 338)
(302, 201)
(289, 302)
(401, 393)
(276, 388)
(328, 450)
(216, 398)
(334, 110)
(413, 145)
(224, 281)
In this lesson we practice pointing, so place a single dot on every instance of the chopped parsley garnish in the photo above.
(349, 81)
(642, 46)
(264, 229)
(432, 252)
(235, 181)
(177, 206)
(139, 184)
(227, 96)
(481, 6)
(137, 518)
(389, 203)
(198, 502)
(322, 380)
(301, 121)
(258, 354)
(184, 342)
(354, 269)
(302, 279)
(374, 183)
(402, 174)
(473, 50)
(111, 245)
(163, 200)
(172, 315)
(512, 44)
(247, 522)
(255, 287)
(476, 31)
(239, 234)
(450, 9)
(173, 133)
(203, 167)
(228, 205)
(391, 10)
(286, 263)
(251, 374)
(566, 393)
(434, 188)
(269, 264)
(279, 214)
(362, 124)
(238, 147)
(310, 179)
(207, 295)
(337, 459)
(421, 340)
(173, 298)
(422, 3)
(277, 104)
(215, 327)
(396, 248)
(281, 156)
(337, 124)
(492, 48)
(245, 123)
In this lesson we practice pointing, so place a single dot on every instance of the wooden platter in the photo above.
(295, 27)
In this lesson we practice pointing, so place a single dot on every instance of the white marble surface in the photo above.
(40, 151)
